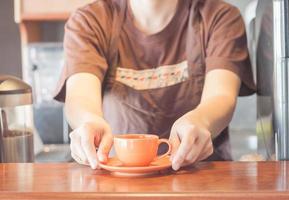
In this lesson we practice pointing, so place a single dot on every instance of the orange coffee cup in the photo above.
(138, 149)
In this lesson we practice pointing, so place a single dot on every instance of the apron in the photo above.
(181, 98)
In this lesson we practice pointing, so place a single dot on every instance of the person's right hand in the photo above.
(87, 138)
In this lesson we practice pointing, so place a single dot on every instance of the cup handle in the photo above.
(169, 150)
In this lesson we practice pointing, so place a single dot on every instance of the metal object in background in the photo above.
(272, 35)
(16, 121)
(280, 77)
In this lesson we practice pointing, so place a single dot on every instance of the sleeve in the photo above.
(227, 48)
(84, 49)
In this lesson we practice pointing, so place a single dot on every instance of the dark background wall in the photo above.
(10, 45)
(10, 52)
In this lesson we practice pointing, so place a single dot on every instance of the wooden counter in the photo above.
(217, 180)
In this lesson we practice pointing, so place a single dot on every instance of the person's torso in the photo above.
(160, 77)
(153, 84)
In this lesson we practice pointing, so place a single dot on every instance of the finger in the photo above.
(175, 142)
(73, 150)
(76, 158)
(195, 152)
(75, 146)
(205, 155)
(208, 152)
(77, 149)
(105, 146)
(184, 148)
(204, 142)
(87, 144)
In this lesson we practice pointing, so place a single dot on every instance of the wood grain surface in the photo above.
(216, 180)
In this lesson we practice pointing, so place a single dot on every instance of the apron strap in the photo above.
(194, 48)
(119, 12)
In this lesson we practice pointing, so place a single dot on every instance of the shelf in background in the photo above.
(46, 10)
(45, 17)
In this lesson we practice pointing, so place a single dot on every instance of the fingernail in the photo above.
(176, 167)
(93, 164)
(175, 163)
(102, 158)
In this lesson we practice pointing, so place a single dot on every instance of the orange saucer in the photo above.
(116, 167)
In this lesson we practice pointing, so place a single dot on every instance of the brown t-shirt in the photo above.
(155, 79)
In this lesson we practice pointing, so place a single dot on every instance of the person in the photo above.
(169, 67)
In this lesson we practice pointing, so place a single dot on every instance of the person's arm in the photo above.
(192, 134)
(218, 101)
(83, 110)
(83, 99)
(85, 49)
(227, 65)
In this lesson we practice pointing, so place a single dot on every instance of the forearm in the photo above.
(81, 104)
(192, 135)
(213, 114)
(79, 111)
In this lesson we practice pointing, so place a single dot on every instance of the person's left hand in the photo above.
(190, 143)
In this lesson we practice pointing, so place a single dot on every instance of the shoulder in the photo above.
(214, 11)
(98, 9)
(216, 6)
(97, 13)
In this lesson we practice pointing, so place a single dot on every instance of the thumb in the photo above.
(104, 147)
